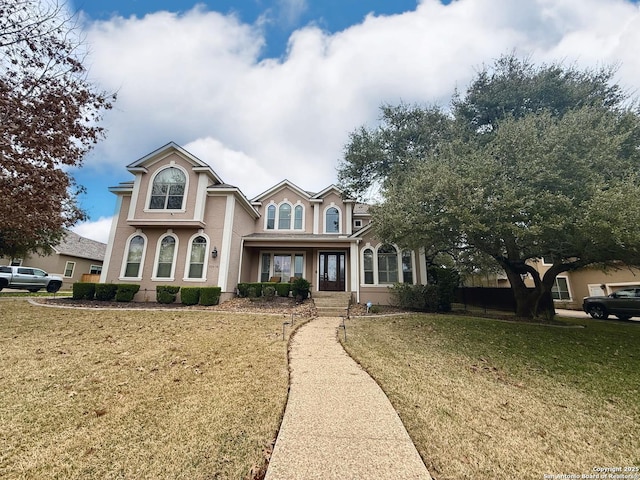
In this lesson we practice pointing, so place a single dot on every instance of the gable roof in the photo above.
(75, 245)
(141, 164)
(283, 184)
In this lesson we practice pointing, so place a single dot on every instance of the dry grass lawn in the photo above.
(495, 400)
(137, 394)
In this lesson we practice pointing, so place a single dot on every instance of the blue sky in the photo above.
(264, 90)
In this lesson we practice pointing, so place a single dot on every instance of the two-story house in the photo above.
(178, 223)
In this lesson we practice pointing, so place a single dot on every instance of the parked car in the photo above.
(624, 304)
(28, 278)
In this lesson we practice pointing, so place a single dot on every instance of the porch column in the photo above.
(355, 270)
(225, 249)
(423, 267)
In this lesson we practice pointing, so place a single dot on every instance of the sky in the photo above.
(267, 90)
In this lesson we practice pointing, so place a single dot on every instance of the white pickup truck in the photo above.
(28, 278)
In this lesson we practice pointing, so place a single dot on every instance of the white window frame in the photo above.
(171, 276)
(376, 280)
(555, 283)
(276, 220)
(96, 268)
(182, 209)
(187, 264)
(123, 268)
(291, 253)
(324, 218)
(66, 267)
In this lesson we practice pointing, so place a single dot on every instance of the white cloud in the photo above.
(95, 230)
(196, 78)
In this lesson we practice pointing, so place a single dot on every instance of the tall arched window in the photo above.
(387, 264)
(165, 257)
(168, 189)
(367, 257)
(332, 220)
(134, 257)
(297, 217)
(271, 217)
(284, 217)
(198, 256)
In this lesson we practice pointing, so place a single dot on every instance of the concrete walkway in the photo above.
(338, 424)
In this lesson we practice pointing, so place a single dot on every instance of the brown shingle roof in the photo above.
(76, 246)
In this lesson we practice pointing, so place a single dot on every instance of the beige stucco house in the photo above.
(571, 287)
(75, 259)
(178, 223)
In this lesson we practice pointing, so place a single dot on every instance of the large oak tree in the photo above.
(49, 114)
(529, 162)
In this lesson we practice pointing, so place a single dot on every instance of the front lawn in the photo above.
(489, 399)
(137, 394)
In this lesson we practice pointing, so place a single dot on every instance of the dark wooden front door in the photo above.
(332, 271)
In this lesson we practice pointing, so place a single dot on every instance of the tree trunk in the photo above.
(530, 303)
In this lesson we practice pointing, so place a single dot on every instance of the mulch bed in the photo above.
(277, 305)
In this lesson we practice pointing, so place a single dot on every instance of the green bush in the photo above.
(283, 289)
(83, 291)
(415, 297)
(300, 288)
(166, 293)
(269, 293)
(251, 289)
(126, 291)
(242, 289)
(190, 295)
(446, 280)
(106, 291)
(210, 296)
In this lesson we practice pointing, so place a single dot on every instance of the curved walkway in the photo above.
(338, 423)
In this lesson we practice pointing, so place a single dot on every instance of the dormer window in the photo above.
(168, 190)
(332, 220)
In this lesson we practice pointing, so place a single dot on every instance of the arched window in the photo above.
(332, 218)
(297, 217)
(284, 217)
(165, 257)
(134, 257)
(387, 264)
(168, 189)
(198, 256)
(367, 257)
(271, 217)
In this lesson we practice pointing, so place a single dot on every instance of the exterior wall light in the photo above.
(214, 254)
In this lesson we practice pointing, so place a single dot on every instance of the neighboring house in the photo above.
(571, 287)
(74, 259)
(178, 223)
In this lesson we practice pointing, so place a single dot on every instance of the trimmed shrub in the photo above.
(245, 289)
(190, 295)
(269, 293)
(210, 296)
(166, 293)
(83, 291)
(242, 289)
(106, 291)
(300, 288)
(415, 297)
(126, 291)
(283, 289)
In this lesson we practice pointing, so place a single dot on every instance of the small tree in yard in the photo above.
(48, 121)
(531, 162)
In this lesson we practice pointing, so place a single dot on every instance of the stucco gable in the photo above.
(280, 186)
(142, 164)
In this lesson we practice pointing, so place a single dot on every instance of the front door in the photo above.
(332, 268)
